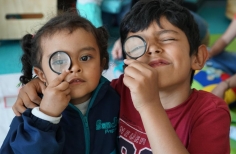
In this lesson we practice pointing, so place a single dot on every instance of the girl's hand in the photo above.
(56, 96)
(141, 79)
(28, 96)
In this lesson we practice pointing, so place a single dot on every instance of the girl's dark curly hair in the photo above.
(70, 20)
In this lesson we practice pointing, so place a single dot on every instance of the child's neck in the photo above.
(174, 97)
(80, 100)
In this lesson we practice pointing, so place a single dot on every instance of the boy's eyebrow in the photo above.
(166, 31)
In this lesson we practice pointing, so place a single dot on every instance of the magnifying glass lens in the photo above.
(59, 61)
(135, 47)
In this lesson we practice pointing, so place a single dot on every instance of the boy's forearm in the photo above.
(161, 135)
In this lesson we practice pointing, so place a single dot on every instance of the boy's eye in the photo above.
(85, 58)
(170, 39)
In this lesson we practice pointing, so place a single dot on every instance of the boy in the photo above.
(159, 111)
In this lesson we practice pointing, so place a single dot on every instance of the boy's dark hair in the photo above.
(144, 12)
(71, 21)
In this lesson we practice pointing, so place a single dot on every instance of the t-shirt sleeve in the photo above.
(210, 132)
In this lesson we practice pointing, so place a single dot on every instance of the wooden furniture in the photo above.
(230, 9)
(18, 17)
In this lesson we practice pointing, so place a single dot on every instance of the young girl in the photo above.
(79, 109)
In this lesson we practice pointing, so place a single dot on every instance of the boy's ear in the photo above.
(40, 74)
(200, 58)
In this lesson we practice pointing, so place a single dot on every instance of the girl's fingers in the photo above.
(63, 86)
(58, 80)
(67, 91)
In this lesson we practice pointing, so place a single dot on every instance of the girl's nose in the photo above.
(75, 67)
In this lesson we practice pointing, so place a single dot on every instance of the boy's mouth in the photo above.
(159, 62)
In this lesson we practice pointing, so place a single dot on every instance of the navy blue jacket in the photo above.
(94, 132)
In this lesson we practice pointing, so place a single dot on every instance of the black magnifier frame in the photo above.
(52, 56)
(144, 45)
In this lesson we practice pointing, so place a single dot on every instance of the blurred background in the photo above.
(18, 17)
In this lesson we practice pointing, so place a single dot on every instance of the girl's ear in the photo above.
(200, 58)
(40, 74)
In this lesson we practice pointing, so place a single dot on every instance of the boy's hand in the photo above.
(141, 79)
(56, 96)
(28, 96)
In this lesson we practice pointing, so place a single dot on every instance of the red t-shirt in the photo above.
(202, 123)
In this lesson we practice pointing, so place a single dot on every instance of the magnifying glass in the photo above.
(59, 61)
(135, 46)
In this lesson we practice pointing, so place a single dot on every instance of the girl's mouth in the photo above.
(76, 80)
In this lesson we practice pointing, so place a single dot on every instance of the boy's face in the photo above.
(168, 52)
(86, 68)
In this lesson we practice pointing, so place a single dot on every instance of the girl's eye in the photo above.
(60, 62)
(85, 58)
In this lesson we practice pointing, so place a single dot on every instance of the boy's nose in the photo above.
(154, 49)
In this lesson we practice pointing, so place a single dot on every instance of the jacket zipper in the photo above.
(87, 134)
(84, 119)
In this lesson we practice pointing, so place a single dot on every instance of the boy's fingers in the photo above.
(29, 92)
(58, 80)
(41, 87)
(18, 107)
(29, 97)
(27, 102)
(16, 112)
(129, 61)
(136, 64)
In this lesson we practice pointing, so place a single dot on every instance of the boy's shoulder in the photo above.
(117, 81)
(104, 89)
(207, 100)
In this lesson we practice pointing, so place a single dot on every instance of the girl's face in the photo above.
(86, 67)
